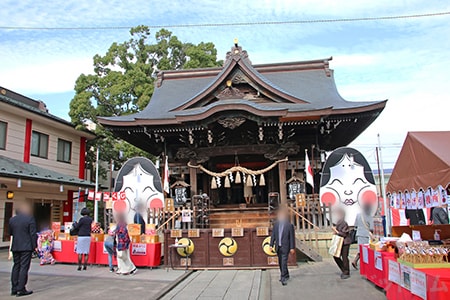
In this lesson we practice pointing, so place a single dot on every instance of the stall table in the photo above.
(146, 255)
(64, 252)
(437, 287)
(374, 265)
(101, 256)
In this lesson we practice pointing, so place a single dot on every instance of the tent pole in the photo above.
(383, 189)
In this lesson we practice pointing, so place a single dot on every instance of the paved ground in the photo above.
(63, 282)
(308, 281)
(322, 281)
(224, 284)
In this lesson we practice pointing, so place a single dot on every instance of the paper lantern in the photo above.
(262, 181)
(238, 178)
(213, 183)
(227, 182)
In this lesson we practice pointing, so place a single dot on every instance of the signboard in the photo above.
(295, 188)
(365, 255)
(139, 249)
(237, 232)
(218, 232)
(378, 260)
(228, 261)
(272, 261)
(262, 231)
(419, 283)
(194, 233)
(394, 272)
(416, 235)
(57, 246)
(405, 277)
(56, 227)
(175, 233)
(180, 195)
(186, 216)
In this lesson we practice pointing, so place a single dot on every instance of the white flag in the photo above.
(308, 171)
(166, 186)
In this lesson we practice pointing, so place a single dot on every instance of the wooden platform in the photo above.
(234, 216)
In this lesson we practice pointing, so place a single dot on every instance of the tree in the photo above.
(123, 82)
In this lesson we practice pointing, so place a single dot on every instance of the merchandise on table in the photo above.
(421, 253)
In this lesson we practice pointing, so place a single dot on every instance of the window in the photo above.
(39, 144)
(3, 127)
(64, 151)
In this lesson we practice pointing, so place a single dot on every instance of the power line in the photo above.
(363, 19)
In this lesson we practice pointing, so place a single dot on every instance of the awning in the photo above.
(424, 161)
(13, 168)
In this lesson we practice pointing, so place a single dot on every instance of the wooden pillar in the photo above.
(282, 177)
(193, 181)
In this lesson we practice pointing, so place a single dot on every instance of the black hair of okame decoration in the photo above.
(337, 155)
(146, 164)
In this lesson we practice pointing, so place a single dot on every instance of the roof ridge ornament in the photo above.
(236, 54)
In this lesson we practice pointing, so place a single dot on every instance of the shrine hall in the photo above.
(239, 132)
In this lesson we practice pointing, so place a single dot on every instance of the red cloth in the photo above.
(376, 276)
(438, 287)
(152, 257)
(68, 254)
(101, 256)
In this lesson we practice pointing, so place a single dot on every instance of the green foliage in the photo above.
(123, 83)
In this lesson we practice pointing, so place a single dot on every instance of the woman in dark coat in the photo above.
(343, 230)
(84, 237)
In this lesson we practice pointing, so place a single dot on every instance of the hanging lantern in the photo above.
(213, 183)
(227, 182)
(262, 181)
(249, 181)
(238, 177)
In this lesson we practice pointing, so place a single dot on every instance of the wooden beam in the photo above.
(282, 176)
(193, 181)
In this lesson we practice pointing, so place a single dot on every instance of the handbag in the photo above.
(74, 229)
(336, 245)
(352, 234)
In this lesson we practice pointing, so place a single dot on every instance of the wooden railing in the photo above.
(307, 230)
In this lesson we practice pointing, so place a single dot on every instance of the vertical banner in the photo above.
(98, 196)
(427, 195)
(106, 196)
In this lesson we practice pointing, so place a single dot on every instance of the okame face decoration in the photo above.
(140, 181)
(347, 181)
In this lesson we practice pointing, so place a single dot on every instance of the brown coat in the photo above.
(343, 231)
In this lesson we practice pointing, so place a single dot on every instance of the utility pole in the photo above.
(96, 186)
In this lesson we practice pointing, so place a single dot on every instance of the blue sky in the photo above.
(405, 61)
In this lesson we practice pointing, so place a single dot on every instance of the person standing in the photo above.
(364, 228)
(342, 230)
(84, 237)
(124, 264)
(282, 242)
(440, 215)
(22, 229)
(110, 247)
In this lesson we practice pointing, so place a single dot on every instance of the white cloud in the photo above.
(45, 77)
